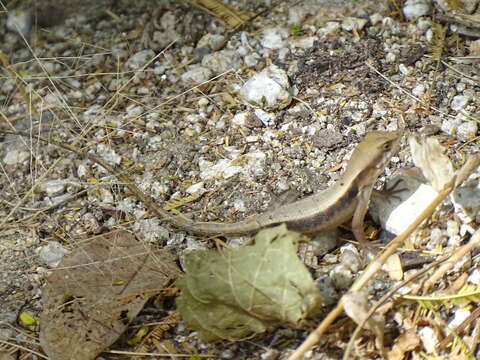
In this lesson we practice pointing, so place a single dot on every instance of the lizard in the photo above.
(346, 199)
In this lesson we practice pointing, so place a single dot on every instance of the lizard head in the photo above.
(373, 153)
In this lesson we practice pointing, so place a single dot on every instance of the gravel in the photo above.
(185, 106)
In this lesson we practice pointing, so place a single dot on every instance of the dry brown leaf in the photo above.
(394, 267)
(97, 291)
(430, 157)
(356, 306)
(405, 342)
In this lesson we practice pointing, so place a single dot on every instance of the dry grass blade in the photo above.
(228, 14)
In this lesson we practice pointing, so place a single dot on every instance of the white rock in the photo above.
(415, 8)
(53, 187)
(351, 23)
(196, 188)
(424, 24)
(134, 110)
(19, 21)
(466, 198)
(474, 277)
(108, 154)
(82, 170)
(304, 42)
(296, 15)
(52, 253)
(196, 75)
(429, 338)
(350, 258)
(329, 28)
(418, 90)
(274, 38)
(239, 205)
(211, 41)
(459, 315)
(449, 125)
(404, 69)
(467, 131)
(267, 118)
(342, 277)
(150, 230)
(136, 61)
(376, 18)
(222, 61)
(396, 214)
(16, 156)
(390, 57)
(459, 102)
(251, 60)
(251, 163)
(269, 89)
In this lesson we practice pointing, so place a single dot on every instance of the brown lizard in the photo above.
(347, 199)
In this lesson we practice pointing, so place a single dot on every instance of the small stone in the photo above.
(19, 21)
(376, 18)
(108, 154)
(53, 187)
(136, 61)
(325, 241)
(404, 69)
(52, 253)
(134, 111)
(267, 118)
(424, 24)
(196, 75)
(274, 38)
(468, 130)
(460, 315)
(326, 286)
(429, 338)
(459, 102)
(467, 198)
(474, 277)
(210, 41)
(418, 90)
(330, 28)
(342, 277)
(475, 48)
(296, 15)
(222, 61)
(350, 258)
(196, 188)
(269, 89)
(453, 228)
(416, 8)
(351, 23)
(240, 119)
(251, 60)
(304, 42)
(15, 156)
(449, 125)
(390, 57)
(327, 139)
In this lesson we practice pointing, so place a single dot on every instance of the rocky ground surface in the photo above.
(224, 121)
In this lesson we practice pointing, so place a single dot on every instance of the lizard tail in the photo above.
(211, 228)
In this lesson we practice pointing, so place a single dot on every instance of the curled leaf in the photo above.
(430, 157)
(235, 293)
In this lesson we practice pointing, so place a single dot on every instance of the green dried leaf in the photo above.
(235, 293)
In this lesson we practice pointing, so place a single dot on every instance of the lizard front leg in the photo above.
(359, 216)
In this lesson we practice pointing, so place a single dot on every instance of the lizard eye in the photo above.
(387, 146)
